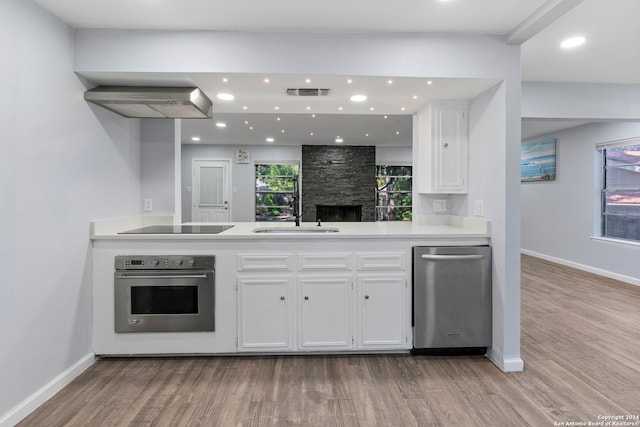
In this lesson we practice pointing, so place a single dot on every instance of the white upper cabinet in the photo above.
(443, 148)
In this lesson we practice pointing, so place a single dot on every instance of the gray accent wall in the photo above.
(338, 175)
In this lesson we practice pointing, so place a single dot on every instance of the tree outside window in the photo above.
(275, 186)
(393, 193)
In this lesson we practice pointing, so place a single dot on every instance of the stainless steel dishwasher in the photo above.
(452, 298)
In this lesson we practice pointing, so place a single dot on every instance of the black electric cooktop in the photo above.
(179, 229)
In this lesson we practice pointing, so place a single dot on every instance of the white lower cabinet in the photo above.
(381, 306)
(266, 314)
(323, 302)
(324, 311)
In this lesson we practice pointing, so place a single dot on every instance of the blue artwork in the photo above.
(538, 160)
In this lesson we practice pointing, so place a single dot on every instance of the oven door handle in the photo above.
(182, 276)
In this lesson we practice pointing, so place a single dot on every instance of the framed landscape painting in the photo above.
(538, 160)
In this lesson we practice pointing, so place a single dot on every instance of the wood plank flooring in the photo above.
(580, 344)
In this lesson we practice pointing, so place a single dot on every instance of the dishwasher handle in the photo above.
(451, 257)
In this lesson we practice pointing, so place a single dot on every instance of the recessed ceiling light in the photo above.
(359, 98)
(266, 80)
(313, 115)
(339, 140)
(195, 138)
(225, 80)
(245, 107)
(339, 108)
(573, 42)
(397, 132)
(221, 125)
(308, 80)
(386, 117)
(429, 82)
(389, 81)
(371, 108)
(349, 81)
(282, 131)
(250, 127)
(403, 109)
(269, 139)
(246, 122)
(225, 97)
(415, 96)
(277, 108)
(366, 134)
(310, 133)
(308, 108)
(278, 118)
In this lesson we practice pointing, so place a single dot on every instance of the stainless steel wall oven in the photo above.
(167, 293)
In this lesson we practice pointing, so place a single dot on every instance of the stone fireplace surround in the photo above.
(338, 176)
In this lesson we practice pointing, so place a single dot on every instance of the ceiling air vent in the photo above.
(308, 92)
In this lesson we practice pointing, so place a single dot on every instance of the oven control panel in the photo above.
(165, 262)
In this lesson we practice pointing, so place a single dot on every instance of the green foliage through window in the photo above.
(275, 186)
(393, 193)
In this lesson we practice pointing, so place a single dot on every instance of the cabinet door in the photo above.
(450, 137)
(443, 148)
(265, 314)
(325, 313)
(381, 311)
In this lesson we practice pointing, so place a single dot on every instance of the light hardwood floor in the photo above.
(580, 344)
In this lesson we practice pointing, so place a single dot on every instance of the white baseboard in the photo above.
(32, 402)
(587, 268)
(511, 364)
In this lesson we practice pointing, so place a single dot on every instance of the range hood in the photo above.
(152, 102)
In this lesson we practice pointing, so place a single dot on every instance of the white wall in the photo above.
(582, 101)
(157, 162)
(386, 155)
(62, 164)
(559, 217)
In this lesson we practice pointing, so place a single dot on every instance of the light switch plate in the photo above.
(440, 205)
(478, 208)
(148, 205)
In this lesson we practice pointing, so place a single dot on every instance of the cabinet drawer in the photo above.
(265, 262)
(324, 261)
(381, 261)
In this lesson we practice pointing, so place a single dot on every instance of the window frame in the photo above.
(604, 188)
(256, 191)
(409, 192)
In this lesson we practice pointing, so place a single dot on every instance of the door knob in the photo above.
(366, 297)
(282, 298)
(306, 298)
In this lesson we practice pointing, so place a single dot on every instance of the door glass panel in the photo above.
(211, 180)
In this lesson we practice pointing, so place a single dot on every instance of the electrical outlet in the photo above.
(440, 205)
(478, 208)
(148, 205)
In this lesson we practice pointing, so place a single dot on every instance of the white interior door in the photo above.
(211, 190)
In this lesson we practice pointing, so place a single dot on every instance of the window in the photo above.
(276, 191)
(393, 193)
(620, 190)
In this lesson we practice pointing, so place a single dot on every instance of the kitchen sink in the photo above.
(295, 230)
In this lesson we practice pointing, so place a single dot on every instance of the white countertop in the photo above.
(441, 226)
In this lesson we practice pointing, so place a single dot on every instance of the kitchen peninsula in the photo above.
(281, 288)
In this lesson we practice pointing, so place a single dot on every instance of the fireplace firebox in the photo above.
(339, 213)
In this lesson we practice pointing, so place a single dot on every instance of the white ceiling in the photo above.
(610, 54)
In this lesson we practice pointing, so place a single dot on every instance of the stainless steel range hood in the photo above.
(152, 102)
